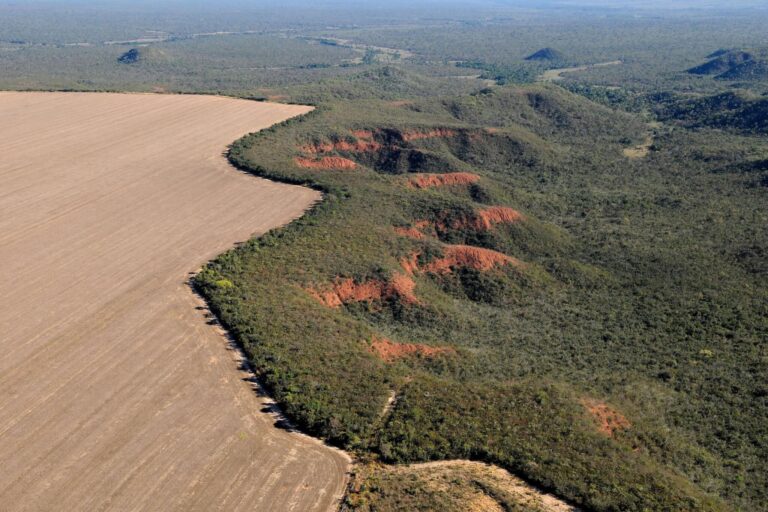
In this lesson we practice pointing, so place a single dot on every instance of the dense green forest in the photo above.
(496, 272)
(639, 288)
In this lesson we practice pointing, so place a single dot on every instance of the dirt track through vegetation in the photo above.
(115, 391)
(553, 75)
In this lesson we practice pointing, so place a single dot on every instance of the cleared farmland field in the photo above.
(115, 391)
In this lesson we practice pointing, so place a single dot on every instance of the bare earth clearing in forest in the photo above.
(115, 392)
(553, 75)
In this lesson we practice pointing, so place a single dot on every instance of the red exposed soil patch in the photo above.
(411, 263)
(359, 146)
(390, 351)
(349, 291)
(460, 256)
(466, 256)
(326, 162)
(410, 233)
(318, 147)
(609, 420)
(404, 287)
(441, 133)
(481, 220)
(400, 103)
(441, 180)
(365, 142)
(497, 215)
(346, 290)
(429, 226)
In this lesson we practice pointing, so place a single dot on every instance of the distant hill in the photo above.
(722, 63)
(742, 64)
(718, 53)
(751, 70)
(546, 54)
(145, 55)
(130, 57)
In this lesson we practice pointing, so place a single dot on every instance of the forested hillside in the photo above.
(529, 295)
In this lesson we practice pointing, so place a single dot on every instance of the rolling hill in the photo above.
(489, 278)
(734, 110)
(735, 65)
(546, 55)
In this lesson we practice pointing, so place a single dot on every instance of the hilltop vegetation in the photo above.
(129, 57)
(736, 65)
(737, 110)
(547, 54)
(578, 344)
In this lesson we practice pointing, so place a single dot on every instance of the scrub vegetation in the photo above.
(589, 332)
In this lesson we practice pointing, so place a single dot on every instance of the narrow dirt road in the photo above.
(115, 393)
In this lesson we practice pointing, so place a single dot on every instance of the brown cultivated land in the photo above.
(115, 393)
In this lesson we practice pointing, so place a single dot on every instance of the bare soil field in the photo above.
(115, 391)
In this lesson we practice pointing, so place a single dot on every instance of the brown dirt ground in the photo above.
(644, 149)
(326, 163)
(489, 217)
(437, 133)
(427, 180)
(467, 256)
(639, 151)
(411, 263)
(359, 146)
(608, 419)
(115, 393)
(411, 232)
(481, 220)
(346, 290)
(391, 351)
